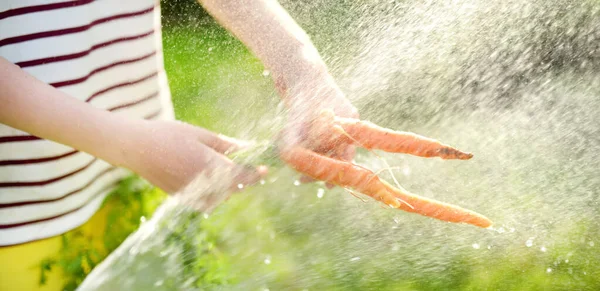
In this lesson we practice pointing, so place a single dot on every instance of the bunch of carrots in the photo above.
(351, 176)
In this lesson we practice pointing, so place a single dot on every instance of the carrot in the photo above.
(372, 136)
(345, 174)
(437, 209)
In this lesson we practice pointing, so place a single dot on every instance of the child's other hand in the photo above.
(171, 154)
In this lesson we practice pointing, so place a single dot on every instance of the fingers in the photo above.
(225, 144)
(222, 145)
(218, 142)
(206, 192)
(175, 155)
(229, 175)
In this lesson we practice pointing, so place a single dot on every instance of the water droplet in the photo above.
(210, 49)
(529, 242)
(143, 219)
(320, 192)
(475, 246)
(262, 182)
(543, 249)
(549, 270)
(591, 243)
(240, 186)
(266, 73)
(567, 261)
(354, 259)
(406, 171)
(296, 183)
(268, 260)
(205, 215)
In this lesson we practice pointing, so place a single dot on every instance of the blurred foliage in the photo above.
(133, 201)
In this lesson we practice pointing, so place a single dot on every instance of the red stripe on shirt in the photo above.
(154, 114)
(15, 138)
(38, 160)
(98, 70)
(45, 182)
(59, 32)
(125, 84)
(92, 181)
(140, 101)
(5, 226)
(54, 59)
(44, 7)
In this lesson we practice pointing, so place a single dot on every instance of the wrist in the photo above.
(126, 148)
(302, 65)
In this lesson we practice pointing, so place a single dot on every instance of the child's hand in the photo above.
(170, 154)
(297, 68)
(307, 97)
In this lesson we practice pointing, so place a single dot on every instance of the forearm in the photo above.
(30, 105)
(272, 35)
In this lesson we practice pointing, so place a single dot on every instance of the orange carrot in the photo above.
(372, 136)
(437, 209)
(346, 174)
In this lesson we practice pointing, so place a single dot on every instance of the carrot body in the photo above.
(372, 136)
(346, 174)
(437, 209)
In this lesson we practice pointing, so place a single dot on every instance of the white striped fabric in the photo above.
(105, 52)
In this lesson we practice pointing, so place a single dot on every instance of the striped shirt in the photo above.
(105, 52)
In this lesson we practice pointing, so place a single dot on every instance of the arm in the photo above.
(270, 32)
(37, 108)
(166, 153)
